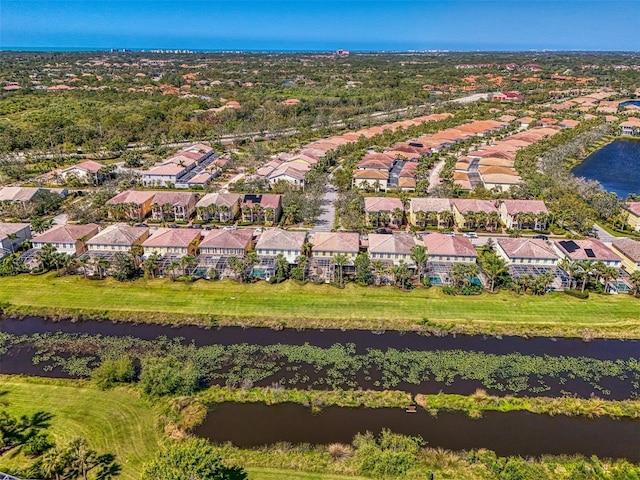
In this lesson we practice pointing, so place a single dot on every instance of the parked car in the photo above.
(470, 235)
(450, 234)
(541, 237)
(232, 227)
(384, 230)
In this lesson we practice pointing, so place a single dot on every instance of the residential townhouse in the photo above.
(12, 235)
(589, 249)
(434, 212)
(326, 245)
(629, 252)
(392, 249)
(633, 215)
(447, 249)
(69, 239)
(524, 214)
(119, 237)
(227, 242)
(130, 204)
(474, 213)
(222, 207)
(384, 211)
(172, 242)
(275, 241)
(88, 171)
(173, 205)
(261, 208)
(526, 251)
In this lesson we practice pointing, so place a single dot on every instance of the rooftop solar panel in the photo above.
(569, 245)
(589, 253)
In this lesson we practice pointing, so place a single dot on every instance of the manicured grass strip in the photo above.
(114, 421)
(273, 474)
(314, 306)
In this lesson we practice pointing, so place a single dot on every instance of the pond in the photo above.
(513, 433)
(616, 166)
(630, 102)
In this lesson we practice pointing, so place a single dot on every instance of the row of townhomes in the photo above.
(396, 166)
(462, 213)
(164, 205)
(194, 166)
(293, 166)
(212, 250)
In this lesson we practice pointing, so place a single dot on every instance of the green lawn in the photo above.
(115, 421)
(271, 474)
(309, 306)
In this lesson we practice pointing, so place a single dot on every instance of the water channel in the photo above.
(512, 433)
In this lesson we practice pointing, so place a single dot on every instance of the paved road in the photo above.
(324, 222)
(603, 235)
(434, 176)
(225, 188)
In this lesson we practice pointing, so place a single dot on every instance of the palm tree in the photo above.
(634, 279)
(398, 216)
(270, 215)
(446, 217)
(587, 268)
(379, 269)
(307, 249)
(11, 237)
(150, 265)
(171, 267)
(103, 265)
(302, 261)
(46, 256)
(494, 267)
(188, 261)
(431, 217)
(340, 261)
(84, 263)
(137, 251)
(420, 256)
(570, 267)
(493, 220)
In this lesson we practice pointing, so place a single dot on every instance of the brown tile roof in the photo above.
(371, 174)
(18, 194)
(473, 205)
(430, 204)
(266, 200)
(174, 198)
(628, 247)
(528, 206)
(119, 234)
(67, 233)
(439, 244)
(378, 204)
(12, 228)
(278, 239)
(89, 166)
(219, 199)
(227, 238)
(172, 237)
(527, 248)
(401, 243)
(336, 242)
(633, 207)
(600, 250)
(131, 196)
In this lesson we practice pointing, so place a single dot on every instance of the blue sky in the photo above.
(322, 25)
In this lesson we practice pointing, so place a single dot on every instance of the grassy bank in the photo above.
(320, 306)
(474, 405)
(117, 421)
